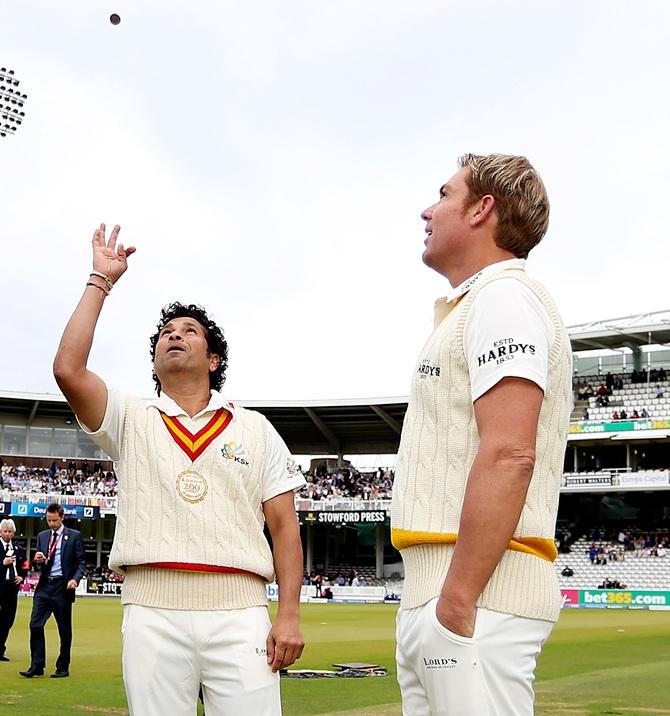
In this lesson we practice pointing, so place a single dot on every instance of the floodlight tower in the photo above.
(11, 103)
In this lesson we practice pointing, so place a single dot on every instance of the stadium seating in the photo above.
(348, 484)
(633, 396)
(366, 573)
(634, 572)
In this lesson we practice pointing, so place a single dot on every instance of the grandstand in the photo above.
(637, 572)
(617, 464)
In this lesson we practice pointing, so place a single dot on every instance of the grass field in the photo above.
(597, 662)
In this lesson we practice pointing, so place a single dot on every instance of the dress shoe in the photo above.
(4, 658)
(32, 671)
(60, 674)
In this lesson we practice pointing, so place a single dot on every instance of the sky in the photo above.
(270, 161)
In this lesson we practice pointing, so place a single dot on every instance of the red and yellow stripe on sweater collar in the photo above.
(537, 546)
(195, 445)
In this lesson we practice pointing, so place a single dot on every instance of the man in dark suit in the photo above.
(12, 573)
(60, 558)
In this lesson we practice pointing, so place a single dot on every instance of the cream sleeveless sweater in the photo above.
(223, 528)
(438, 446)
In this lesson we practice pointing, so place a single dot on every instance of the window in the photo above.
(41, 440)
(65, 442)
(14, 440)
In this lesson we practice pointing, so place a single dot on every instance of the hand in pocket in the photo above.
(455, 618)
(452, 673)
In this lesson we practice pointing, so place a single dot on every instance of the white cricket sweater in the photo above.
(438, 446)
(167, 514)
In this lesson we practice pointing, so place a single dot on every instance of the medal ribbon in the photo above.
(195, 445)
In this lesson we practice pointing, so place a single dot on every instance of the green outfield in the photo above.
(597, 662)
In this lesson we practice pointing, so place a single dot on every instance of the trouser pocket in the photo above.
(451, 670)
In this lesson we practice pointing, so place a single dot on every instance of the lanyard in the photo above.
(53, 545)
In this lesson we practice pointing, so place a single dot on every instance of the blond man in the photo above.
(481, 454)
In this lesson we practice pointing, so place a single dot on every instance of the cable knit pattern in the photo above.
(438, 446)
(155, 524)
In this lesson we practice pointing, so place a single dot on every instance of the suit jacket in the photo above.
(19, 566)
(72, 559)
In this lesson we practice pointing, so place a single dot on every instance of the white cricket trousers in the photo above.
(169, 653)
(444, 674)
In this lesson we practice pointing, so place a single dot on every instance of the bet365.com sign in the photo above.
(616, 599)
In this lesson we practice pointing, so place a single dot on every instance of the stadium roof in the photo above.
(362, 426)
(312, 427)
(31, 405)
(630, 331)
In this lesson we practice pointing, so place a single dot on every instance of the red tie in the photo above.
(52, 545)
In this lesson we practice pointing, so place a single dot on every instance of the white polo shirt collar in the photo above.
(464, 287)
(166, 405)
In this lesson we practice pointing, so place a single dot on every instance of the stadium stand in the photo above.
(636, 570)
(39, 480)
(632, 397)
(615, 471)
(348, 483)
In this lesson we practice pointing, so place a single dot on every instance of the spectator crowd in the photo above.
(322, 583)
(632, 543)
(348, 483)
(83, 479)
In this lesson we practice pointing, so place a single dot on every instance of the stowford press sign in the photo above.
(339, 518)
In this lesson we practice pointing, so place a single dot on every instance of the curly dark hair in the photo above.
(216, 343)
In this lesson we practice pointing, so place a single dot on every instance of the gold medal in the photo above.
(191, 486)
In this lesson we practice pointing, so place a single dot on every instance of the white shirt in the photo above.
(508, 332)
(8, 546)
(280, 475)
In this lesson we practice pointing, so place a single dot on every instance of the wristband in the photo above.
(105, 278)
(95, 285)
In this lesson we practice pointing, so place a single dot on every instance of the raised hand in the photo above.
(108, 258)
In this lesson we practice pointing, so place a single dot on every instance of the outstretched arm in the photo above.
(84, 390)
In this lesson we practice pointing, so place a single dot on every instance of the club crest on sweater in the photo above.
(292, 467)
(191, 486)
(236, 453)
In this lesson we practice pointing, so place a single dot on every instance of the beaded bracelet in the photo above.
(105, 278)
(95, 285)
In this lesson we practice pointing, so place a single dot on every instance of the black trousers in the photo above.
(51, 598)
(9, 596)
